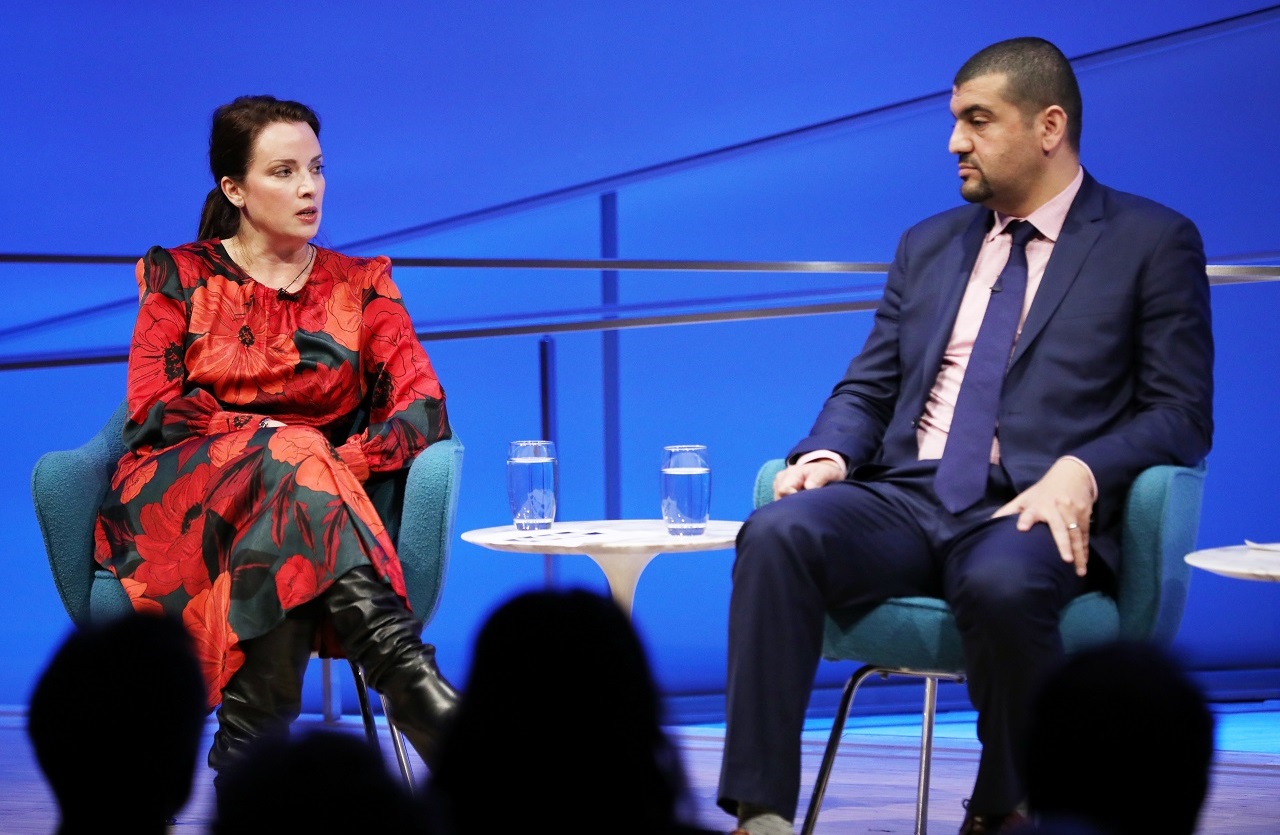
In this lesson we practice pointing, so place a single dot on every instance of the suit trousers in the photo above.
(856, 543)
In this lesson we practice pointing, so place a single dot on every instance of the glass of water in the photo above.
(686, 489)
(531, 484)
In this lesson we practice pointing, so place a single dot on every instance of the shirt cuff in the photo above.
(823, 455)
(1093, 482)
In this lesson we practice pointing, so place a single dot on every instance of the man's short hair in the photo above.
(1038, 75)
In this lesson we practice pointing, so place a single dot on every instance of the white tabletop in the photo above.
(1253, 561)
(608, 536)
(621, 547)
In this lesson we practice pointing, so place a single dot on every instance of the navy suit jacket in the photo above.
(1114, 364)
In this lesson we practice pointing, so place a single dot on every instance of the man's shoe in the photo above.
(978, 824)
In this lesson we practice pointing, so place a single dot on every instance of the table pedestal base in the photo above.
(622, 571)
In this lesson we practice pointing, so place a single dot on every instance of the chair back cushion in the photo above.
(1161, 523)
(426, 526)
(67, 487)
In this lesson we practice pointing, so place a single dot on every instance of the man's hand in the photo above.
(808, 476)
(1063, 500)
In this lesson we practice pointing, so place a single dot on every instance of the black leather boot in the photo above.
(377, 631)
(265, 695)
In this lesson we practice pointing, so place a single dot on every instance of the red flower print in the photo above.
(297, 581)
(404, 365)
(138, 597)
(312, 456)
(134, 479)
(171, 540)
(218, 306)
(239, 358)
(101, 545)
(389, 567)
(155, 357)
(216, 644)
(380, 270)
(237, 487)
(323, 390)
(227, 447)
(359, 501)
(153, 273)
(345, 317)
(312, 317)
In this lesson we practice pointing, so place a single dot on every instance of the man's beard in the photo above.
(976, 191)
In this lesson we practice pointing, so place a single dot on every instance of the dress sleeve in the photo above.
(407, 410)
(161, 412)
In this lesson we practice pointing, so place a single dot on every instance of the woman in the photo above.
(241, 504)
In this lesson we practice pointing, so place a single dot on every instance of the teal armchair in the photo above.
(917, 636)
(418, 508)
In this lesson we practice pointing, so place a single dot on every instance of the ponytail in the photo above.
(218, 219)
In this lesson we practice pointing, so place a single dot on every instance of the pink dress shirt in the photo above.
(935, 422)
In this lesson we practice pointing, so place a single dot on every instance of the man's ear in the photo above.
(1053, 128)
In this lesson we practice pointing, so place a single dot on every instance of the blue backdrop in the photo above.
(432, 110)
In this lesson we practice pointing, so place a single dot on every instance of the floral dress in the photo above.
(226, 523)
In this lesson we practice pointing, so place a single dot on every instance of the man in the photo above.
(950, 463)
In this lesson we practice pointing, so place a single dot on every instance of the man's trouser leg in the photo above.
(1007, 589)
(838, 545)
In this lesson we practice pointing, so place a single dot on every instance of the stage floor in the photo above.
(872, 788)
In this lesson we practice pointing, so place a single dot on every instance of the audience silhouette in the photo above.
(558, 728)
(320, 782)
(110, 775)
(1120, 743)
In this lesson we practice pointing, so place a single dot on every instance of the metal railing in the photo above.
(605, 317)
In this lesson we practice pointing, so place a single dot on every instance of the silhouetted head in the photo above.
(560, 715)
(115, 721)
(1121, 738)
(321, 782)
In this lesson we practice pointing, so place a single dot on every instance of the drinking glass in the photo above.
(686, 489)
(531, 484)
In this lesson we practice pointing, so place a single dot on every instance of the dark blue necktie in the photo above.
(961, 479)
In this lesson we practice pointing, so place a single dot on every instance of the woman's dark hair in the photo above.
(235, 130)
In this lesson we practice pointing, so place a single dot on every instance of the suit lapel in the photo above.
(1079, 233)
(954, 269)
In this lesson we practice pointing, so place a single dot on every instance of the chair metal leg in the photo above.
(330, 694)
(397, 742)
(926, 753)
(366, 710)
(931, 679)
(371, 727)
(833, 744)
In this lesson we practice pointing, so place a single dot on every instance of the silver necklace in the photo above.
(311, 255)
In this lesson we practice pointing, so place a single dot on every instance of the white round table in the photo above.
(1245, 562)
(621, 547)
